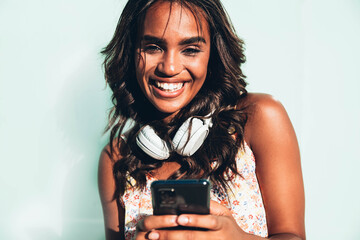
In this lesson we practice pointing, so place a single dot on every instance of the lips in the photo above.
(168, 89)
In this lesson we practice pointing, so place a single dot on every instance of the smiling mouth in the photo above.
(168, 87)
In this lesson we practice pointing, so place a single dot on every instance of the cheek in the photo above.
(140, 71)
(139, 64)
(200, 68)
(145, 64)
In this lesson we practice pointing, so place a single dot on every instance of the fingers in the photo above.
(218, 209)
(154, 227)
(155, 222)
(182, 235)
(209, 222)
(197, 227)
(146, 226)
(151, 235)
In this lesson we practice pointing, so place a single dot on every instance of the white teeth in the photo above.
(169, 87)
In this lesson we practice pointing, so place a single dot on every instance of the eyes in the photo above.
(192, 50)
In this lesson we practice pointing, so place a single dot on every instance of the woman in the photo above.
(171, 64)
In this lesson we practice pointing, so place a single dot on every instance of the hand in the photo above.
(219, 224)
(145, 228)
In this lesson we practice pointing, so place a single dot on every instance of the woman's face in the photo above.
(173, 56)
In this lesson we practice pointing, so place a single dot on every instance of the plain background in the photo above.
(54, 106)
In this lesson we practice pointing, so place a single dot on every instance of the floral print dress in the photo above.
(244, 199)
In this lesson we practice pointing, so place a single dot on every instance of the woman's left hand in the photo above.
(219, 225)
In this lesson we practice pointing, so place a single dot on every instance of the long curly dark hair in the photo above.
(224, 87)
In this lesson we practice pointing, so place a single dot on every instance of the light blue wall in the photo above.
(53, 107)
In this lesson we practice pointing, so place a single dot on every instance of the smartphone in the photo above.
(175, 197)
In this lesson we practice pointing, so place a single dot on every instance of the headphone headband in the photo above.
(187, 140)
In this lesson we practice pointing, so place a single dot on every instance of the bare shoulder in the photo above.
(265, 113)
(107, 160)
(272, 139)
(118, 147)
(262, 104)
(106, 182)
(112, 210)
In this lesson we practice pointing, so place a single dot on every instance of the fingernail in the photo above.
(173, 219)
(154, 235)
(183, 220)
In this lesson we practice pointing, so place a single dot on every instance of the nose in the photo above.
(169, 65)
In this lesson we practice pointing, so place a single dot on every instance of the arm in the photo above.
(272, 138)
(114, 212)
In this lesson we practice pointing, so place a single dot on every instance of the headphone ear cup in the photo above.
(185, 144)
(148, 141)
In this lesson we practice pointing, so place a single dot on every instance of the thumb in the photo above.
(218, 209)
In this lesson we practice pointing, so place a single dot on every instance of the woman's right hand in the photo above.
(219, 224)
(145, 227)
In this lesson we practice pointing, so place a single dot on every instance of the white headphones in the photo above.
(185, 142)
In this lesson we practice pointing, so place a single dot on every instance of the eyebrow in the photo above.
(187, 41)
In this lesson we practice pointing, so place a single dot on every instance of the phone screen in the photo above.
(177, 197)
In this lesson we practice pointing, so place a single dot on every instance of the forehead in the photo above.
(163, 17)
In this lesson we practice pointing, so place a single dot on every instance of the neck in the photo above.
(167, 117)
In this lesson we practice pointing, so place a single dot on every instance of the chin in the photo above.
(168, 108)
